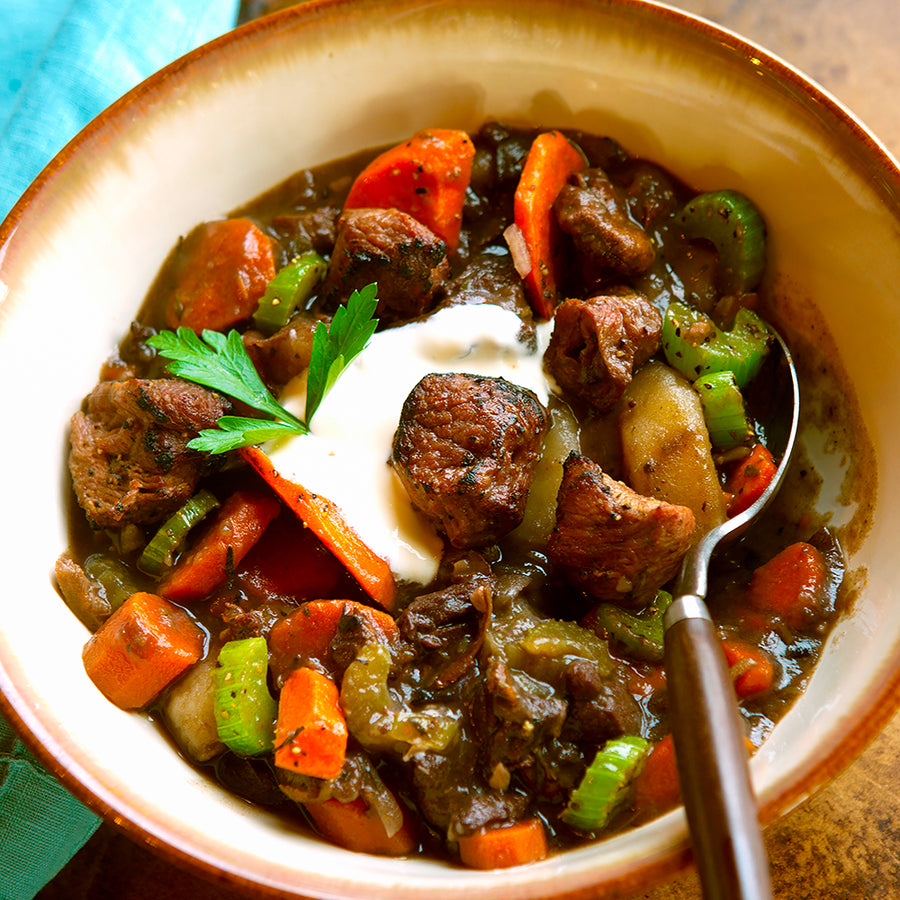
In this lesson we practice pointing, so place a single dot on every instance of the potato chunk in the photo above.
(666, 451)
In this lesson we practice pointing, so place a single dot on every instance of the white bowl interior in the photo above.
(313, 84)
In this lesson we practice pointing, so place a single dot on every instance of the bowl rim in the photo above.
(52, 752)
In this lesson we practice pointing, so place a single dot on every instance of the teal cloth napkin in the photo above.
(61, 63)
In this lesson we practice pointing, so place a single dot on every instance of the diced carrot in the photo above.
(504, 846)
(239, 524)
(291, 561)
(221, 273)
(143, 646)
(356, 826)
(311, 732)
(550, 162)
(749, 478)
(306, 634)
(325, 519)
(791, 585)
(426, 176)
(756, 672)
(656, 787)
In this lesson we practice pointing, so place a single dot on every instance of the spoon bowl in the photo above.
(710, 747)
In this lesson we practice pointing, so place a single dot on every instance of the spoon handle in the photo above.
(712, 759)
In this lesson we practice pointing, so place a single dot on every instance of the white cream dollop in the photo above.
(346, 457)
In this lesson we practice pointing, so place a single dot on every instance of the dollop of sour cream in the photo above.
(346, 456)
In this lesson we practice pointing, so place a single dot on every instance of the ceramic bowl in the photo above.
(317, 82)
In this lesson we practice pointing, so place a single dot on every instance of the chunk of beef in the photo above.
(281, 356)
(515, 716)
(465, 450)
(591, 211)
(445, 629)
(445, 782)
(600, 707)
(651, 194)
(491, 278)
(484, 809)
(597, 344)
(390, 247)
(613, 542)
(313, 229)
(129, 458)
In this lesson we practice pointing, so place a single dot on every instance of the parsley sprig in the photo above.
(221, 362)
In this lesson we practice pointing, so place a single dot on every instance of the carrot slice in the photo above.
(222, 271)
(749, 479)
(306, 634)
(656, 787)
(550, 161)
(240, 523)
(326, 521)
(505, 846)
(143, 646)
(791, 585)
(426, 176)
(756, 672)
(311, 732)
(356, 826)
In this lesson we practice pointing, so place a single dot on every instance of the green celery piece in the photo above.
(606, 784)
(734, 226)
(641, 635)
(382, 721)
(161, 548)
(245, 710)
(292, 285)
(559, 638)
(114, 576)
(723, 407)
(694, 345)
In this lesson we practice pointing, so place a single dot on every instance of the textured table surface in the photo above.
(844, 842)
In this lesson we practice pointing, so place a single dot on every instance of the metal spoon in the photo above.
(706, 726)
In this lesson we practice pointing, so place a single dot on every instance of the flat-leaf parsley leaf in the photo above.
(221, 362)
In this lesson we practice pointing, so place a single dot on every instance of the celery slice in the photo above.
(641, 635)
(245, 710)
(731, 222)
(723, 407)
(291, 286)
(160, 551)
(114, 577)
(606, 784)
(695, 346)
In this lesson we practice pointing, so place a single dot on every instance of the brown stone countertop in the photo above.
(845, 841)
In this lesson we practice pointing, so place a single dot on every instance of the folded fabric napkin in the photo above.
(64, 61)
(61, 63)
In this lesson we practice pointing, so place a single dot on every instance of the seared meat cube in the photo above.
(312, 229)
(601, 707)
(598, 343)
(490, 278)
(390, 247)
(286, 353)
(465, 451)
(515, 715)
(129, 458)
(651, 194)
(613, 542)
(590, 210)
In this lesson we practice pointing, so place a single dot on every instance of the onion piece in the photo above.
(521, 256)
